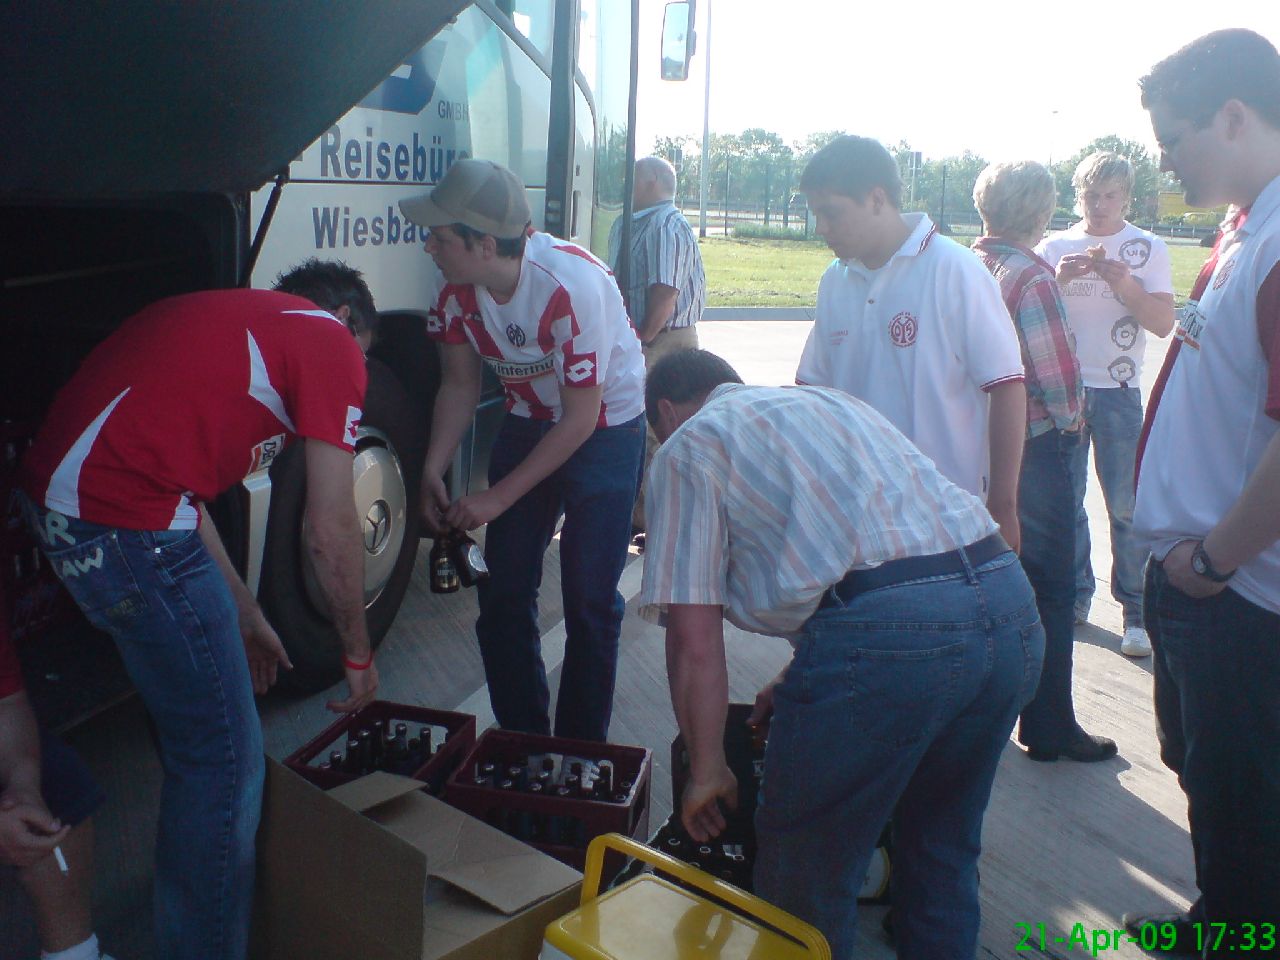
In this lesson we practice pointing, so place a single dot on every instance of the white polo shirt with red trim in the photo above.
(186, 398)
(565, 326)
(921, 340)
(1220, 407)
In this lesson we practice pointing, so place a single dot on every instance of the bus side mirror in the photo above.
(678, 40)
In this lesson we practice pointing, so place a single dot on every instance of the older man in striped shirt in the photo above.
(666, 285)
(800, 512)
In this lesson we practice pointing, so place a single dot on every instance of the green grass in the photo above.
(785, 273)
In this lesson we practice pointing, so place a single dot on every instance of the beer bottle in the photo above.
(367, 760)
(469, 560)
(519, 775)
(335, 759)
(604, 779)
(444, 572)
(402, 733)
(378, 740)
(353, 763)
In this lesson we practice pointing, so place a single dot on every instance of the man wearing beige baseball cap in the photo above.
(548, 318)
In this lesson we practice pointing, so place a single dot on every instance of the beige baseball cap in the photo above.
(479, 193)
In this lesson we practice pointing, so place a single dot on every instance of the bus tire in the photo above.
(388, 463)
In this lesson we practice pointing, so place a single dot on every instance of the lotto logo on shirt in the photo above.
(580, 369)
(903, 329)
(435, 322)
(353, 419)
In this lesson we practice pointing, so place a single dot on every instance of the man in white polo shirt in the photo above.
(912, 323)
(1209, 493)
(549, 320)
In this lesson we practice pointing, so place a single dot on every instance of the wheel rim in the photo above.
(382, 505)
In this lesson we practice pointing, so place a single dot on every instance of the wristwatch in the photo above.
(1201, 564)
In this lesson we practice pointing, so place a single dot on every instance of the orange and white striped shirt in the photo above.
(769, 495)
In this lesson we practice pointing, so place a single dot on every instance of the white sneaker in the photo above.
(1135, 642)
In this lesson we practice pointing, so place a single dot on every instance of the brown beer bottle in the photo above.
(444, 572)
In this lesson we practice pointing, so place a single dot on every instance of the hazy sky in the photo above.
(1010, 80)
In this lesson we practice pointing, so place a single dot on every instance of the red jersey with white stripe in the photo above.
(565, 326)
(186, 398)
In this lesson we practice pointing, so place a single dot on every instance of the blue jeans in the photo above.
(165, 603)
(1217, 673)
(1113, 422)
(904, 697)
(595, 490)
(1046, 512)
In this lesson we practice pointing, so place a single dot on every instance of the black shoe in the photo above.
(1087, 749)
(1157, 927)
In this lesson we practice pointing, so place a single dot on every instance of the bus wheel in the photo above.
(387, 464)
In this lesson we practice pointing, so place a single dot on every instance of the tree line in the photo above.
(757, 170)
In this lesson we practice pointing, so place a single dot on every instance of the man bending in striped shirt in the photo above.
(801, 512)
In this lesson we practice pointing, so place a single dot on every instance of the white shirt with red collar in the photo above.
(921, 340)
(186, 398)
(565, 326)
(1220, 407)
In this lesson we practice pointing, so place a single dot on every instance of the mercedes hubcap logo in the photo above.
(377, 527)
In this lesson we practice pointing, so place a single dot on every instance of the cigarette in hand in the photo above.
(62, 861)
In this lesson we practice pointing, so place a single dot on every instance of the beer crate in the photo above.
(731, 856)
(557, 824)
(432, 770)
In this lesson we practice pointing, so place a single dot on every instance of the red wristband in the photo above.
(355, 664)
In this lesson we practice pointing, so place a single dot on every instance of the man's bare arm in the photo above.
(699, 680)
(337, 552)
(1008, 429)
(660, 307)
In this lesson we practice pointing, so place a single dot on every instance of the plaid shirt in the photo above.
(1055, 392)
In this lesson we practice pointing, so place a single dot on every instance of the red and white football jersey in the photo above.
(565, 325)
(186, 398)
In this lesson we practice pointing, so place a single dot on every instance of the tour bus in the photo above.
(176, 147)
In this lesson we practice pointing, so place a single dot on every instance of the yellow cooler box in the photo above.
(649, 918)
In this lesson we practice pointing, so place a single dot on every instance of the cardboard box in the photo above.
(376, 869)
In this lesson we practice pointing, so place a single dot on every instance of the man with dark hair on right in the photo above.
(1208, 502)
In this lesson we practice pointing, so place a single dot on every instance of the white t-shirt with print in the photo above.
(1109, 341)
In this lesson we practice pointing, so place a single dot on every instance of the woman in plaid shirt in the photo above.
(1016, 201)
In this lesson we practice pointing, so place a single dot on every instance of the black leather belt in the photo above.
(913, 568)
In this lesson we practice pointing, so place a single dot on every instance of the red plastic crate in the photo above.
(559, 826)
(460, 738)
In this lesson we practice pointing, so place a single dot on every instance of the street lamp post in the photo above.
(704, 184)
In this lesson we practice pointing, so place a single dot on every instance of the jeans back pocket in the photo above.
(99, 579)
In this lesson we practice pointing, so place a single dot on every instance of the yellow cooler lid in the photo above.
(649, 918)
